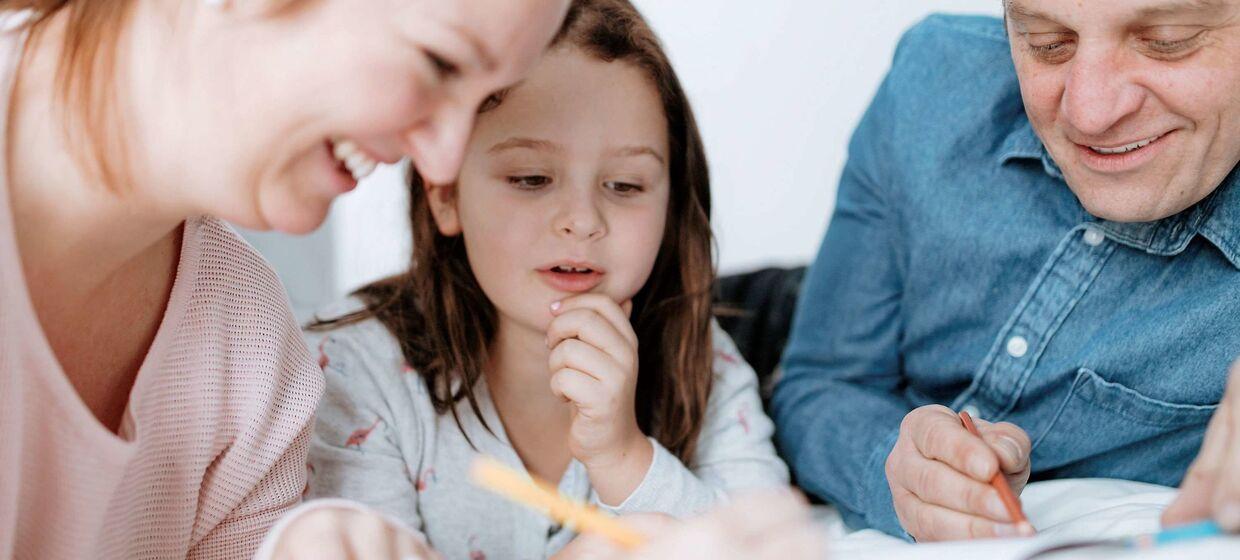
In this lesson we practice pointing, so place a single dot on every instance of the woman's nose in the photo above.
(437, 146)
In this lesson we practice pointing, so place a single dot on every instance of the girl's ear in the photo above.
(442, 200)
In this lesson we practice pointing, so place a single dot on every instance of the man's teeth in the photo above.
(347, 152)
(1125, 149)
(571, 269)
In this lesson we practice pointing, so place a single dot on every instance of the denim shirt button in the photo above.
(1093, 237)
(1017, 347)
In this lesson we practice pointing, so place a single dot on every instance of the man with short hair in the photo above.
(1039, 223)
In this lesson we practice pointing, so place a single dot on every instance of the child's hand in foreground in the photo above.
(341, 533)
(768, 526)
(1212, 487)
(593, 365)
(939, 475)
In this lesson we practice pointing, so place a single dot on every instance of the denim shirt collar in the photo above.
(1216, 218)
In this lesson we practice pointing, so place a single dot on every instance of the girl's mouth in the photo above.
(571, 278)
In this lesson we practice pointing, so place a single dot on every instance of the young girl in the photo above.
(557, 316)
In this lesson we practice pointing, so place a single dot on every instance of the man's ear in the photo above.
(442, 201)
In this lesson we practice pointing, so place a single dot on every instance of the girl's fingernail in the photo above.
(555, 305)
(1229, 517)
(1006, 530)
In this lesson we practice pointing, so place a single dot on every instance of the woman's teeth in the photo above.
(358, 163)
(571, 269)
(1125, 149)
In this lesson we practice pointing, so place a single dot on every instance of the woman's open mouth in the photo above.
(351, 159)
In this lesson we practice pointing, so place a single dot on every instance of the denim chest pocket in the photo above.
(1103, 428)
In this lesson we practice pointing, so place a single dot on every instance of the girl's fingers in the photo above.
(580, 356)
(369, 536)
(1226, 506)
(575, 386)
(591, 327)
(604, 306)
(1197, 491)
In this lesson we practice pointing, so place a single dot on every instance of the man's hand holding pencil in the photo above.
(941, 476)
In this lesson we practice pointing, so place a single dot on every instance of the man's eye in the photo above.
(1053, 49)
(623, 188)
(529, 182)
(1173, 44)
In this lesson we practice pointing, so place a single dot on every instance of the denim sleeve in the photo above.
(838, 405)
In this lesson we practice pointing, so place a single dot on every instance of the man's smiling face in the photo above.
(1137, 101)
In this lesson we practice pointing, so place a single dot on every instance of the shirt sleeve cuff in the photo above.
(660, 490)
(881, 510)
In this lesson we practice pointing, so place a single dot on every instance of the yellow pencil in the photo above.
(494, 476)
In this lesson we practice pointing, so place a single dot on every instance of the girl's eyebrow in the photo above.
(634, 151)
(517, 142)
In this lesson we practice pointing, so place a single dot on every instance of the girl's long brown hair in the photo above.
(446, 324)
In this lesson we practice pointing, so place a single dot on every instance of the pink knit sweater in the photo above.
(213, 449)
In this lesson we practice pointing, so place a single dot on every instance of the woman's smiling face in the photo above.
(278, 113)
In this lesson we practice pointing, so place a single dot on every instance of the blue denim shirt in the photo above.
(959, 269)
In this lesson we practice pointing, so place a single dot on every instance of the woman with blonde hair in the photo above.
(155, 395)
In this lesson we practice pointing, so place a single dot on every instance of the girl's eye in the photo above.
(529, 182)
(623, 188)
(443, 67)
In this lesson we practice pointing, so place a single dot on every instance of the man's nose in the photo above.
(1099, 93)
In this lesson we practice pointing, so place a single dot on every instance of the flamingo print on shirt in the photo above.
(742, 417)
(474, 552)
(358, 437)
(727, 357)
(323, 361)
(428, 477)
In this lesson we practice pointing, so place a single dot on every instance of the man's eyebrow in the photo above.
(1181, 7)
(1020, 12)
(518, 142)
(634, 151)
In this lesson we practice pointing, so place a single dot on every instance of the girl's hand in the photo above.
(339, 533)
(593, 365)
(1212, 487)
(775, 525)
(589, 546)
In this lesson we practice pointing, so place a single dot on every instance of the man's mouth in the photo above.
(1126, 148)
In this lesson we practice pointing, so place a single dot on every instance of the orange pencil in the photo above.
(999, 482)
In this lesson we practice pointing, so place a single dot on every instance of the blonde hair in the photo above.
(85, 76)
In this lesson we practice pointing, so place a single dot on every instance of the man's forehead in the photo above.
(1053, 10)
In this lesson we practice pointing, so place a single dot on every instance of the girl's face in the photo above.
(257, 97)
(564, 188)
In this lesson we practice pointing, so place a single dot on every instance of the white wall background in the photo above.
(777, 85)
